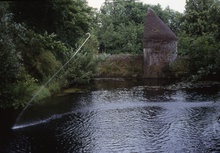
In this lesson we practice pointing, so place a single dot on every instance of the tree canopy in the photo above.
(121, 25)
(69, 19)
(199, 40)
(36, 38)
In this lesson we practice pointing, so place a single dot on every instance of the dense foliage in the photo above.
(9, 57)
(199, 37)
(36, 39)
(69, 19)
(121, 25)
(120, 30)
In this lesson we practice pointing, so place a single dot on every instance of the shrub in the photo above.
(10, 57)
(203, 53)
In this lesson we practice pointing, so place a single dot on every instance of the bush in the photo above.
(23, 89)
(83, 66)
(204, 54)
(121, 65)
(29, 59)
(10, 57)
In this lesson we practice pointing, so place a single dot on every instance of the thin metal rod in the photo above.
(42, 87)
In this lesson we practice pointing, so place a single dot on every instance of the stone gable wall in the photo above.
(158, 56)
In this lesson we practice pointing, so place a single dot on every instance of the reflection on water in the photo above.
(122, 116)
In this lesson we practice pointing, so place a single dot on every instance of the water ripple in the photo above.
(133, 120)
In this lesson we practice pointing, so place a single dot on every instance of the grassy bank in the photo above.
(120, 66)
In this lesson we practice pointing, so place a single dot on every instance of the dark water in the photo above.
(119, 116)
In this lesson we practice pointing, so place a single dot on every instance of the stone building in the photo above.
(160, 47)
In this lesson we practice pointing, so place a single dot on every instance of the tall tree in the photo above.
(201, 17)
(69, 19)
(34, 47)
(121, 25)
(201, 36)
(9, 57)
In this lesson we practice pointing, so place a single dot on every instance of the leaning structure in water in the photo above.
(160, 47)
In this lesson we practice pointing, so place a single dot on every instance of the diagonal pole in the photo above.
(42, 87)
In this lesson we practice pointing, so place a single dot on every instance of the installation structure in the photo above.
(160, 47)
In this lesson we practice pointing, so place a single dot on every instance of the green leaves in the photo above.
(120, 29)
(34, 47)
(199, 38)
(10, 57)
(121, 25)
(82, 68)
(199, 18)
(69, 19)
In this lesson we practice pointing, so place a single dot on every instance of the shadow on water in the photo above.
(7, 120)
(17, 122)
(53, 108)
(121, 116)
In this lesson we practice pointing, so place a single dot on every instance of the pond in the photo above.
(118, 116)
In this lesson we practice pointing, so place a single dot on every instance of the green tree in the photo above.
(33, 49)
(121, 25)
(201, 17)
(69, 19)
(10, 58)
(200, 36)
(172, 19)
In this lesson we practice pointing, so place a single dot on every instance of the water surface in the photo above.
(121, 116)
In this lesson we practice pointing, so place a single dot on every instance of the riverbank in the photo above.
(120, 66)
(119, 111)
(117, 68)
(130, 66)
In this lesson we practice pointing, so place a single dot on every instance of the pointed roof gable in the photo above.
(156, 30)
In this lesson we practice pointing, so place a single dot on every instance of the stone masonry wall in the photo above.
(157, 56)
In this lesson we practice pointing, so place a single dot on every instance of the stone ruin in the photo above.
(160, 47)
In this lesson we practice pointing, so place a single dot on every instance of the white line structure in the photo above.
(42, 87)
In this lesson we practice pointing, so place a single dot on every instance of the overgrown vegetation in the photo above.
(121, 25)
(121, 65)
(199, 37)
(120, 30)
(37, 38)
